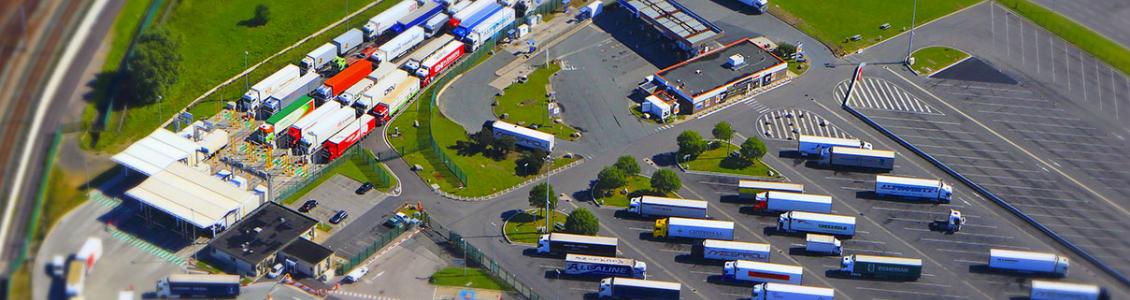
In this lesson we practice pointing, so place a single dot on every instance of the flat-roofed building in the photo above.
(719, 75)
(251, 247)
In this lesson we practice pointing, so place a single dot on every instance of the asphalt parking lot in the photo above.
(339, 193)
(401, 273)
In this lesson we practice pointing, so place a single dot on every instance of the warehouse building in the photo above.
(691, 33)
(717, 76)
(252, 246)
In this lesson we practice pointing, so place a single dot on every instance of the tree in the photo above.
(262, 15)
(723, 131)
(483, 139)
(152, 69)
(628, 165)
(609, 178)
(532, 161)
(785, 49)
(690, 144)
(582, 221)
(752, 149)
(538, 194)
(504, 145)
(665, 181)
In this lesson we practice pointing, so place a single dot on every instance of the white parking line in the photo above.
(963, 149)
(930, 129)
(992, 168)
(916, 120)
(968, 157)
(1021, 187)
(866, 242)
(975, 243)
(978, 253)
(1090, 218)
(1009, 178)
(1045, 124)
(944, 139)
(972, 262)
(908, 292)
(918, 211)
(895, 253)
(641, 229)
(1027, 115)
(1086, 136)
(979, 97)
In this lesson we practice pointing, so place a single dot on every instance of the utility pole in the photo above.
(246, 81)
(910, 42)
(548, 215)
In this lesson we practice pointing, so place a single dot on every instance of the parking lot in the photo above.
(338, 193)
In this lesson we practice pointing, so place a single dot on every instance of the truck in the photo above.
(731, 250)
(883, 160)
(438, 62)
(824, 244)
(381, 88)
(383, 69)
(784, 291)
(489, 28)
(811, 145)
(932, 189)
(283, 119)
(774, 201)
(1028, 262)
(294, 132)
(353, 132)
(348, 41)
(267, 87)
(76, 278)
(1058, 290)
(564, 243)
(198, 286)
(744, 270)
(675, 227)
(526, 137)
(435, 25)
(302, 87)
(631, 288)
(748, 189)
(760, 6)
(325, 128)
(319, 57)
(424, 51)
(396, 100)
(653, 206)
(350, 95)
(604, 266)
(469, 11)
(89, 253)
(399, 45)
(475, 19)
(418, 16)
(380, 23)
(881, 266)
(800, 221)
(343, 80)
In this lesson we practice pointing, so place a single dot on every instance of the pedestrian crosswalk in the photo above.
(664, 127)
(100, 198)
(879, 94)
(361, 295)
(760, 108)
(152, 249)
(787, 124)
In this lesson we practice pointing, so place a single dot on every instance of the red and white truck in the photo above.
(295, 130)
(396, 100)
(439, 61)
(337, 144)
(324, 129)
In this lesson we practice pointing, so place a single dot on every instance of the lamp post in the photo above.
(246, 81)
(524, 171)
(160, 111)
(910, 42)
(548, 228)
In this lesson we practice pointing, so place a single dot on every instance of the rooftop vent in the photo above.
(735, 61)
(258, 229)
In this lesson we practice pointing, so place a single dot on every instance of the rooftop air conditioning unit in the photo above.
(736, 61)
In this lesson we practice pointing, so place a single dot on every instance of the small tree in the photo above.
(752, 149)
(609, 178)
(785, 49)
(665, 181)
(582, 221)
(504, 145)
(690, 144)
(538, 195)
(152, 68)
(532, 161)
(723, 131)
(628, 165)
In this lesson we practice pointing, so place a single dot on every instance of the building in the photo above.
(252, 246)
(719, 75)
(691, 33)
(304, 258)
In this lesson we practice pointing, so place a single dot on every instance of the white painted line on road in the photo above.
(1027, 115)
(908, 292)
(967, 157)
(990, 167)
(980, 97)
(640, 229)
(938, 138)
(975, 243)
(672, 251)
(931, 129)
(866, 241)
(1086, 136)
(703, 273)
(978, 253)
(972, 262)
(895, 253)
(918, 211)
(915, 120)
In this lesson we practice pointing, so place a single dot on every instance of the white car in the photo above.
(276, 271)
(356, 274)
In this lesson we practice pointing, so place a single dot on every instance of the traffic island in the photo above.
(619, 197)
(528, 102)
(720, 159)
(930, 60)
(466, 277)
(523, 227)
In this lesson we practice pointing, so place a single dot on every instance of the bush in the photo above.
(665, 181)
(690, 144)
(582, 221)
(609, 178)
(628, 165)
(531, 162)
(752, 148)
(153, 67)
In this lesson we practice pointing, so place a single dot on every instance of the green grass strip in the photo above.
(1094, 43)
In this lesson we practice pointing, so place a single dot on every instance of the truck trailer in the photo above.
(932, 189)
(883, 160)
(353, 132)
(438, 62)
(380, 23)
(418, 16)
(881, 266)
(748, 189)
(76, 278)
(810, 145)
(563, 243)
(675, 227)
(282, 120)
(490, 28)
(324, 129)
(465, 25)
(395, 101)
(1028, 261)
(744, 270)
(731, 250)
(287, 95)
(343, 80)
(296, 130)
(436, 24)
(353, 93)
(652, 206)
(784, 291)
(268, 87)
(198, 286)
(417, 57)
(630, 288)
(799, 221)
(760, 6)
(399, 45)
(318, 58)
(824, 244)
(774, 201)
(468, 11)
(1058, 290)
(380, 88)
(604, 266)
(348, 41)
(526, 137)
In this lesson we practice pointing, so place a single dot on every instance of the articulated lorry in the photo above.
(296, 130)
(774, 201)
(268, 131)
(563, 243)
(675, 227)
(881, 266)
(425, 11)
(287, 95)
(351, 94)
(731, 250)
(399, 45)
(744, 270)
(325, 128)
(760, 5)
(1029, 262)
(882, 160)
(473, 20)
(353, 132)
(395, 101)
(1058, 290)
(784, 291)
(380, 23)
(931, 189)
(198, 286)
(748, 189)
(823, 244)
(268, 87)
(652, 206)
(489, 28)
(810, 145)
(631, 288)
(385, 86)
(319, 57)
(348, 41)
(799, 221)
(604, 266)
(468, 11)
(436, 24)
(438, 62)
(417, 57)
(343, 80)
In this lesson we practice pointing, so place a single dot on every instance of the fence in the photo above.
(364, 159)
(34, 226)
(477, 258)
(373, 247)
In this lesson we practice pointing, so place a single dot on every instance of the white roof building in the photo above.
(195, 197)
(158, 151)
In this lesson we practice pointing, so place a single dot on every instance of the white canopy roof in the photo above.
(194, 196)
(156, 152)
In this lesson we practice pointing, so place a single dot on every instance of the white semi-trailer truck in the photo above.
(731, 250)
(675, 227)
(810, 145)
(631, 288)
(1028, 261)
(909, 187)
(799, 221)
(824, 244)
(774, 201)
(1058, 290)
(744, 270)
(882, 160)
(604, 266)
(652, 206)
(784, 291)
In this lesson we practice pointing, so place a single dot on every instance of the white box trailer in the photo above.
(821, 243)
(354, 92)
(380, 23)
(784, 291)
(564, 243)
(326, 128)
(394, 102)
(268, 87)
(799, 221)
(295, 130)
(490, 27)
(881, 266)
(675, 227)
(732, 250)
(1028, 261)
(1058, 290)
(604, 266)
(319, 57)
(631, 288)
(417, 57)
(811, 145)
(436, 23)
(774, 201)
(932, 189)
(526, 137)
(744, 270)
(468, 11)
(399, 45)
(862, 158)
(748, 189)
(380, 89)
(652, 206)
(348, 41)
(383, 69)
(89, 253)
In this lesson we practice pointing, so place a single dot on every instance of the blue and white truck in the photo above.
(490, 28)
(422, 13)
(604, 266)
(760, 5)
(348, 41)
(526, 137)
(818, 146)
(631, 288)
(931, 189)
(380, 23)
(1059, 290)
(731, 250)
(882, 160)
(466, 24)
(1028, 262)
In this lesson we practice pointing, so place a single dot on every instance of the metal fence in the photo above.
(363, 158)
(373, 247)
(476, 258)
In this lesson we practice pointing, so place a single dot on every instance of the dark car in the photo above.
(308, 205)
(365, 188)
(339, 216)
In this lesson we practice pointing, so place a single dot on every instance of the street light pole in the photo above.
(246, 81)
(160, 111)
(548, 228)
(910, 42)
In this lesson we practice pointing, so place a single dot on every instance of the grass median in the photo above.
(833, 23)
(719, 160)
(526, 104)
(474, 278)
(523, 227)
(931, 59)
(1094, 43)
(637, 186)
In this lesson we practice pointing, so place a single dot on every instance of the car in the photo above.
(308, 205)
(396, 220)
(276, 271)
(339, 216)
(365, 188)
(356, 274)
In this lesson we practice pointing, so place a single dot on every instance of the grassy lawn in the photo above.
(833, 22)
(353, 170)
(525, 104)
(475, 278)
(64, 193)
(19, 284)
(523, 228)
(931, 59)
(212, 46)
(718, 160)
(1088, 40)
(637, 186)
(123, 30)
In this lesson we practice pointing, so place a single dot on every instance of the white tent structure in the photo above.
(195, 198)
(159, 150)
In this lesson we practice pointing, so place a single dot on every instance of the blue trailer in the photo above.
(466, 25)
(419, 16)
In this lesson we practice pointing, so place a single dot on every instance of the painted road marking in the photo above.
(879, 94)
(788, 124)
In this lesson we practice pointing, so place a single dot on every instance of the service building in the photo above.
(717, 76)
